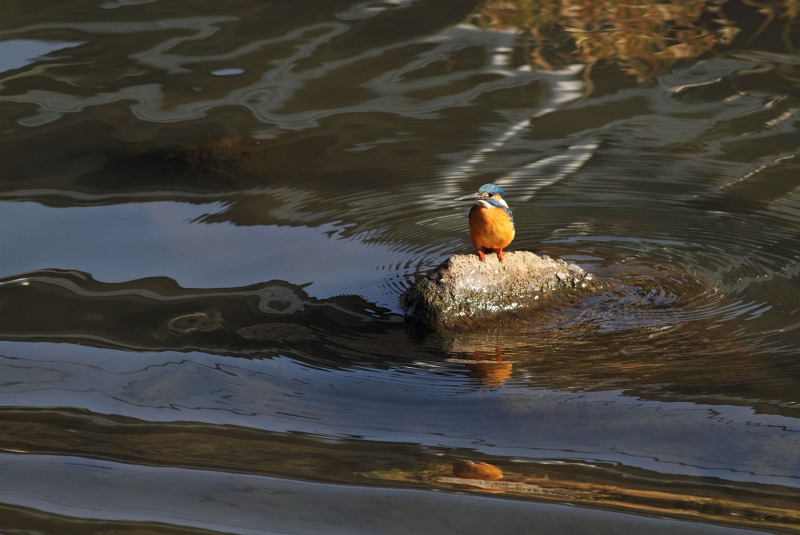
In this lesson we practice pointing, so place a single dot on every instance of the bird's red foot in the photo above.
(481, 255)
(500, 254)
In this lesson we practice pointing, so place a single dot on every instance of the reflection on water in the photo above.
(209, 219)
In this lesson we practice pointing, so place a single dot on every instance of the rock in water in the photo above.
(465, 289)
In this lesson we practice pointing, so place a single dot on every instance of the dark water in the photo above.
(211, 209)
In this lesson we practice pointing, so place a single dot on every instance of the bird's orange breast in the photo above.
(490, 228)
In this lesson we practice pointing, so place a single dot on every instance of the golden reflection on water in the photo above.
(642, 37)
(695, 502)
(319, 459)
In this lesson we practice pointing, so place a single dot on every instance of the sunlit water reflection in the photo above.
(209, 220)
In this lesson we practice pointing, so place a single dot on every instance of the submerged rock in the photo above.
(464, 289)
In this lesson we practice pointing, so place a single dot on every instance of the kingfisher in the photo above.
(491, 224)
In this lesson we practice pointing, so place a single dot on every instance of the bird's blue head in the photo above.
(490, 190)
(484, 193)
(489, 196)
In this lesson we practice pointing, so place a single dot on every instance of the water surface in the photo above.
(210, 212)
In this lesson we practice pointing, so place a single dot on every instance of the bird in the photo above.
(491, 223)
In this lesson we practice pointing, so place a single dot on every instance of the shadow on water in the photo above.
(274, 318)
(642, 334)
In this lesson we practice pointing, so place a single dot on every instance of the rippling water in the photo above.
(210, 212)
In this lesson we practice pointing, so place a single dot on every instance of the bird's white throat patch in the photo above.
(486, 204)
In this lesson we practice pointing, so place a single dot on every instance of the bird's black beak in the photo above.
(470, 197)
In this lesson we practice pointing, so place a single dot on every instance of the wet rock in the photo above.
(464, 289)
